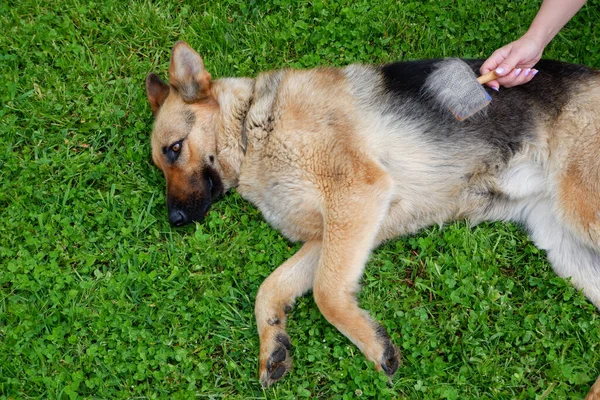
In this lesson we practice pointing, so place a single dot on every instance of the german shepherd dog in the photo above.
(344, 159)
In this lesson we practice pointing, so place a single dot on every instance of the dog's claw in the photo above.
(279, 362)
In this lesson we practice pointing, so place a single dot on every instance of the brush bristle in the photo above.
(454, 86)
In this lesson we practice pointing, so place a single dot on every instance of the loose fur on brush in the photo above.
(344, 159)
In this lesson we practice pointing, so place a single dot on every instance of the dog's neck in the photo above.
(234, 96)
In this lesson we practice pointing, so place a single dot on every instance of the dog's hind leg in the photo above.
(570, 255)
(274, 299)
(594, 393)
(353, 217)
(576, 176)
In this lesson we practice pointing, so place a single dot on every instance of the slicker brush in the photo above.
(456, 87)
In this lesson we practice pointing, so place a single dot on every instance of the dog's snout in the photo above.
(178, 218)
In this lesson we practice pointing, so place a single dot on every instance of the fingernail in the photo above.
(527, 71)
(535, 71)
(517, 71)
(499, 70)
(495, 88)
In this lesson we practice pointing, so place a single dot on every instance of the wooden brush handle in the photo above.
(487, 77)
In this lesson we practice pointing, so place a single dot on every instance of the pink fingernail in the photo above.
(527, 71)
(499, 70)
(495, 88)
(517, 71)
(535, 71)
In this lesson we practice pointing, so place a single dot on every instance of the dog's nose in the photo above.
(178, 218)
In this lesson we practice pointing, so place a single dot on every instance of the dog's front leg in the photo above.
(274, 299)
(353, 219)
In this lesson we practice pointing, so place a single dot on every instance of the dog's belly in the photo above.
(400, 221)
(432, 185)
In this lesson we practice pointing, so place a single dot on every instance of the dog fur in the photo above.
(344, 159)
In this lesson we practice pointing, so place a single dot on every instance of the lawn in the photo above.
(101, 298)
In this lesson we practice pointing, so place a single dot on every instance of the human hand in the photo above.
(513, 62)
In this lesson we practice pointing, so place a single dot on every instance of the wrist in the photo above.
(540, 36)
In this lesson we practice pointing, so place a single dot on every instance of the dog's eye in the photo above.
(172, 152)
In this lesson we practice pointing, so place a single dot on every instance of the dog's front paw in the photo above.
(274, 364)
(391, 358)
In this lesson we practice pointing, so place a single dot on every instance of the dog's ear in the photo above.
(187, 73)
(157, 91)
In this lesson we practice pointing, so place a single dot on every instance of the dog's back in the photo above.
(533, 156)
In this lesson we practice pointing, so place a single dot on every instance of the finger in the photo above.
(508, 65)
(525, 76)
(517, 77)
(529, 74)
(489, 65)
(495, 59)
(493, 85)
(511, 79)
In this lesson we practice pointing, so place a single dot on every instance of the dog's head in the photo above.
(183, 138)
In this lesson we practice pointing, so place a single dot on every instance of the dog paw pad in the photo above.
(279, 361)
(278, 372)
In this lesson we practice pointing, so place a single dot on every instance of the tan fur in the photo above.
(577, 198)
(576, 162)
(329, 169)
(594, 393)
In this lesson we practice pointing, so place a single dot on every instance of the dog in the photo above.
(342, 159)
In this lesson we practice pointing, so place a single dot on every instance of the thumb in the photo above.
(508, 64)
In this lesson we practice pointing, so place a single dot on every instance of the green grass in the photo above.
(101, 298)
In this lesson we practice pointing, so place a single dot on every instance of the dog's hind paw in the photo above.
(278, 363)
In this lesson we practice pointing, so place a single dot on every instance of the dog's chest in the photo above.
(287, 199)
